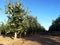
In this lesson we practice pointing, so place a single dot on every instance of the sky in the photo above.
(45, 10)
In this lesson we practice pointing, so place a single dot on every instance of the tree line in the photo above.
(21, 23)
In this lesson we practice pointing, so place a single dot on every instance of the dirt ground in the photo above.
(32, 40)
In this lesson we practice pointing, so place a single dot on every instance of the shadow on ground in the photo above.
(42, 40)
(1, 44)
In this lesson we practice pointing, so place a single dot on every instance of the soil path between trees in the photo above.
(32, 40)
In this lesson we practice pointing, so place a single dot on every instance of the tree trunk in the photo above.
(15, 35)
(0, 32)
(20, 35)
(25, 33)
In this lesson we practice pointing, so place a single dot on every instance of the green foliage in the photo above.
(16, 19)
(3, 28)
(20, 21)
(55, 27)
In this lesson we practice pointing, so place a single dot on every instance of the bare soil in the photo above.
(32, 40)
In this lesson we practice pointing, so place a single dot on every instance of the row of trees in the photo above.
(55, 27)
(19, 21)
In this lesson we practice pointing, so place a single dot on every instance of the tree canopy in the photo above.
(20, 21)
(55, 27)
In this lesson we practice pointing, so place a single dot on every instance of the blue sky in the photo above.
(45, 10)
